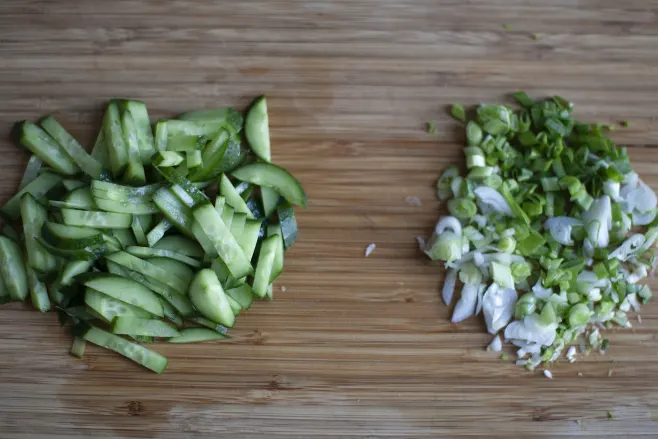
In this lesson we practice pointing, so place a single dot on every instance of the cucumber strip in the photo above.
(139, 354)
(126, 290)
(183, 196)
(226, 215)
(249, 238)
(96, 219)
(212, 154)
(235, 306)
(270, 292)
(117, 192)
(125, 237)
(46, 148)
(202, 321)
(38, 292)
(148, 269)
(215, 115)
(71, 237)
(209, 298)
(116, 145)
(108, 308)
(99, 151)
(167, 159)
(180, 244)
(270, 199)
(216, 162)
(34, 216)
(264, 267)
(197, 335)
(233, 198)
(31, 171)
(134, 173)
(140, 116)
(157, 233)
(174, 210)
(269, 175)
(12, 269)
(183, 144)
(257, 130)
(161, 136)
(76, 152)
(78, 347)
(188, 128)
(174, 177)
(171, 313)
(174, 268)
(83, 254)
(138, 231)
(288, 223)
(242, 295)
(81, 198)
(193, 159)
(71, 184)
(277, 266)
(72, 269)
(37, 188)
(131, 208)
(237, 225)
(180, 302)
(144, 327)
(224, 243)
(147, 252)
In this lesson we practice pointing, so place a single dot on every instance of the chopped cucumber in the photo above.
(46, 148)
(288, 224)
(197, 335)
(81, 198)
(125, 290)
(157, 233)
(277, 266)
(147, 252)
(270, 199)
(265, 265)
(12, 269)
(209, 298)
(148, 269)
(144, 327)
(269, 175)
(233, 197)
(180, 244)
(37, 188)
(34, 215)
(38, 292)
(242, 295)
(176, 212)
(109, 308)
(257, 130)
(96, 219)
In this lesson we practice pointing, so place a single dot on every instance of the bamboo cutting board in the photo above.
(355, 347)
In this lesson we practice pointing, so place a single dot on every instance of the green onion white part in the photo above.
(550, 230)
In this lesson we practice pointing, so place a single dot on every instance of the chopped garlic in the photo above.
(548, 374)
(370, 249)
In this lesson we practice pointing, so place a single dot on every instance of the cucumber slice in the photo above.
(249, 237)
(171, 313)
(125, 290)
(76, 152)
(264, 267)
(138, 231)
(235, 306)
(34, 215)
(242, 295)
(232, 196)
(257, 129)
(237, 225)
(209, 298)
(117, 192)
(193, 159)
(108, 308)
(174, 210)
(148, 269)
(46, 148)
(38, 292)
(72, 269)
(211, 224)
(174, 268)
(277, 266)
(81, 198)
(96, 219)
(99, 151)
(180, 244)
(37, 188)
(134, 174)
(32, 171)
(140, 116)
(215, 115)
(288, 224)
(147, 252)
(126, 207)
(144, 327)
(83, 254)
(78, 347)
(157, 233)
(12, 269)
(174, 177)
(270, 199)
(161, 135)
(167, 159)
(139, 354)
(125, 237)
(269, 175)
(116, 145)
(197, 335)
(71, 237)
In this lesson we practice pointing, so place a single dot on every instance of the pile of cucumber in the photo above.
(125, 242)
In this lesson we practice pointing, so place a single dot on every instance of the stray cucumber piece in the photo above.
(13, 269)
(37, 188)
(125, 290)
(257, 130)
(78, 347)
(209, 298)
(180, 244)
(96, 219)
(34, 214)
(76, 152)
(144, 327)
(147, 252)
(46, 148)
(38, 292)
(116, 145)
(264, 266)
(288, 224)
(232, 196)
(139, 354)
(270, 199)
(269, 175)
(197, 335)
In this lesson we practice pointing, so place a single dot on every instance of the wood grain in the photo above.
(355, 347)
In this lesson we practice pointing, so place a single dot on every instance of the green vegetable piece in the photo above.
(458, 112)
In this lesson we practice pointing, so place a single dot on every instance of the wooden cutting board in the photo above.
(355, 346)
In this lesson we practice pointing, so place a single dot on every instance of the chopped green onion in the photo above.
(458, 112)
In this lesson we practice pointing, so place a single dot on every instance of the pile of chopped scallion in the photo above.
(549, 232)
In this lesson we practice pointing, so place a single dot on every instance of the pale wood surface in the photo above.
(355, 347)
